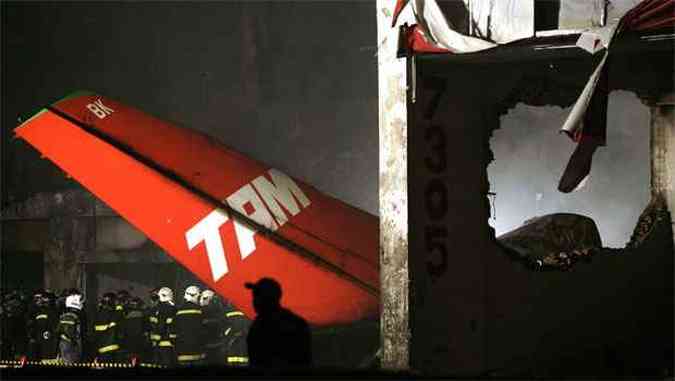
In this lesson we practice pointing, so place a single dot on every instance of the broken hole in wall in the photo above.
(530, 156)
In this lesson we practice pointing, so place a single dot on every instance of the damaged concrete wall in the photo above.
(71, 228)
(662, 128)
(502, 318)
(393, 180)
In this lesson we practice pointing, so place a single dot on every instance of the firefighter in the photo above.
(151, 324)
(70, 330)
(106, 327)
(121, 302)
(13, 322)
(43, 326)
(235, 333)
(165, 313)
(188, 329)
(123, 298)
(133, 328)
(31, 312)
(213, 320)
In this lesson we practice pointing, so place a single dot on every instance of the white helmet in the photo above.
(74, 301)
(192, 294)
(206, 298)
(165, 295)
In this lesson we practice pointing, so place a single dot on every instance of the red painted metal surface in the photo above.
(155, 175)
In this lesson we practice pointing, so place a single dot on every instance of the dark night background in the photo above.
(292, 84)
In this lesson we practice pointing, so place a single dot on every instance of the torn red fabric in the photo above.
(417, 42)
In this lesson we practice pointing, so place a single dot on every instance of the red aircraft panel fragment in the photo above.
(225, 217)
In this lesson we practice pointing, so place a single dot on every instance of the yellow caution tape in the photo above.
(62, 363)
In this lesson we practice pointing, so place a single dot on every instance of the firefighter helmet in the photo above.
(206, 298)
(48, 299)
(74, 301)
(123, 297)
(192, 294)
(165, 294)
(108, 300)
(135, 303)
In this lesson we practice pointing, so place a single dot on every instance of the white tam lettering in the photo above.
(208, 231)
(279, 193)
(259, 214)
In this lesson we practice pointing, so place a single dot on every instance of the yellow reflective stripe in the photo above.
(165, 343)
(112, 324)
(108, 348)
(64, 337)
(119, 308)
(41, 316)
(191, 357)
(227, 331)
(237, 359)
(234, 313)
(100, 327)
(173, 336)
(169, 320)
(185, 312)
(153, 319)
(155, 337)
(67, 322)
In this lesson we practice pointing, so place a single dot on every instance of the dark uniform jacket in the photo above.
(106, 337)
(280, 339)
(214, 322)
(70, 331)
(134, 328)
(43, 333)
(188, 329)
(14, 341)
(165, 314)
(235, 332)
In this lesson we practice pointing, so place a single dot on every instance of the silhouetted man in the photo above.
(278, 338)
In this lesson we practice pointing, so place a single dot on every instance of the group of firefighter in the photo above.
(201, 329)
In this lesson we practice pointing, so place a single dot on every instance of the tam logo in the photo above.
(282, 191)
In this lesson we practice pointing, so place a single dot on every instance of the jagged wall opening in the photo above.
(530, 156)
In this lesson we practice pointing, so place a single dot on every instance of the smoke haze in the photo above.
(530, 156)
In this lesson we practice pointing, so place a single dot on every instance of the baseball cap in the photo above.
(265, 287)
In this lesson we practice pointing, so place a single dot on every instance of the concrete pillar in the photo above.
(393, 191)
(662, 147)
